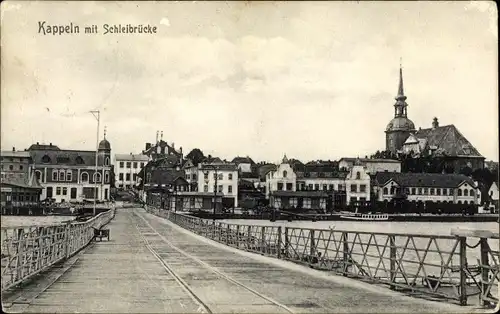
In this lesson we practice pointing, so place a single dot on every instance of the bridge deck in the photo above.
(151, 265)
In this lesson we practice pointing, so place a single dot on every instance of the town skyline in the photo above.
(313, 81)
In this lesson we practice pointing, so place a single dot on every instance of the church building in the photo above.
(445, 142)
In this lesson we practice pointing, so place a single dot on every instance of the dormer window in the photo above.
(46, 159)
(79, 160)
(358, 175)
(285, 173)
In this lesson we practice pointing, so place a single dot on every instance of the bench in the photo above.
(101, 233)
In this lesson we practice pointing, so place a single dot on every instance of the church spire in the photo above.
(401, 93)
(104, 132)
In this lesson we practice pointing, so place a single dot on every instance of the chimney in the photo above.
(13, 149)
(161, 138)
(50, 144)
(148, 146)
(37, 143)
(156, 137)
(173, 145)
(435, 123)
(180, 149)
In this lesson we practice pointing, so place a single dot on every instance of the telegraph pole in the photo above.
(96, 114)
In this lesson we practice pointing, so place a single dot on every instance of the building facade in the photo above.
(224, 176)
(424, 187)
(127, 168)
(20, 190)
(72, 175)
(372, 165)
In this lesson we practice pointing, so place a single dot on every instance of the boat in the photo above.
(365, 217)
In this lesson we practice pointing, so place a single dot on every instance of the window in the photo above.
(362, 188)
(331, 187)
(46, 159)
(120, 177)
(73, 193)
(135, 177)
(49, 192)
(106, 177)
(419, 191)
(121, 164)
(11, 167)
(471, 192)
(206, 176)
(58, 190)
(65, 191)
(69, 175)
(426, 191)
(20, 167)
(194, 176)
(221, 176)
(230, 189)
(79, 160)
(289, 186)
(127, 177)
(438, 191)
(230, 176)
(325, 187)
(459, 192)
(188, 176)
(413, 191)
(316, 187)
(432, 191)
(358, 175)
(285, 173)
(386, 191)
(280, 186)
(445, 191)
(310, 187)
(451, 191)
(466, 192)
(221, 187)
(106, 161)
(135, 165)
(97, 177)
(54, 175)
(354, 188)
(128, 164)
(142, 165)
(205, 188)
(62, 175)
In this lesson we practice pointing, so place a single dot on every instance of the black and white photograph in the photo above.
(249, 157)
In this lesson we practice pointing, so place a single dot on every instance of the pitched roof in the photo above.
(422, 179)
(219, 166)
(449, 139)
(243, 160)
(165, 176)
(300, 193)
(22, 180)
(169, 149)
(364, 160)
(66, 157)
(38, 146)
(131, 157)
(15, 154)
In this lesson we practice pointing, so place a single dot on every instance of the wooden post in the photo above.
(346, 253)
(312, 250)
(249, 236)
(278, 253)
(67, 240)
(484, 271)
(287, 242)
(263, 239)
(392, 260)
(238, 236)
(463, 274)
(20, 254)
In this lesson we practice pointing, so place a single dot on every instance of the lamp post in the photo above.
(96, 114)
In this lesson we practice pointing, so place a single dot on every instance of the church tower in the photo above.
(400, 127)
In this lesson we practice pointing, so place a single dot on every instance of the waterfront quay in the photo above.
(156, 262)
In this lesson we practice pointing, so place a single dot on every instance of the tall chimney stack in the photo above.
(156, 137)
(435, 123)
(161, 138)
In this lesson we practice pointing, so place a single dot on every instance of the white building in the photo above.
(127, 168)
(493, 193)
(206, 176)
(244, 164)
(357, 184)
(422, 187)
(372, 165)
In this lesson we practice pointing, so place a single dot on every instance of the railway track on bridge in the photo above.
(168, 267)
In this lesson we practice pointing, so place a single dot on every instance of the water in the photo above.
(26, 221)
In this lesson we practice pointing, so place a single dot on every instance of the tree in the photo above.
(196, 156)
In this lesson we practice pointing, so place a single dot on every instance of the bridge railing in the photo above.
(29, 250)
(455, 267)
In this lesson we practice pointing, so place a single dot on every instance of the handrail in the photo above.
(29, 250)
(444, 266)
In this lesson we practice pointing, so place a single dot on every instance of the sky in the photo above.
(312, 80)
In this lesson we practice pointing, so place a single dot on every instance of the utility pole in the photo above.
(215, 187)
(96, 114)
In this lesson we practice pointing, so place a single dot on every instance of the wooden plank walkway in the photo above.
(153, 266)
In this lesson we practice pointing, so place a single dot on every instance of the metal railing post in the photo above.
(227, 234)
(20, 254)
(463, 274)
(484, 271)
(392, 261)
(311, 246)
(263, 239)
(287, 243)
(67, 240)
(278, 253)
(346, 253)
(238, 236)
(249, 236)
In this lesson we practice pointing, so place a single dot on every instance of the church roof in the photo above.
(449, 139)
(243, 160)
(437, 180)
